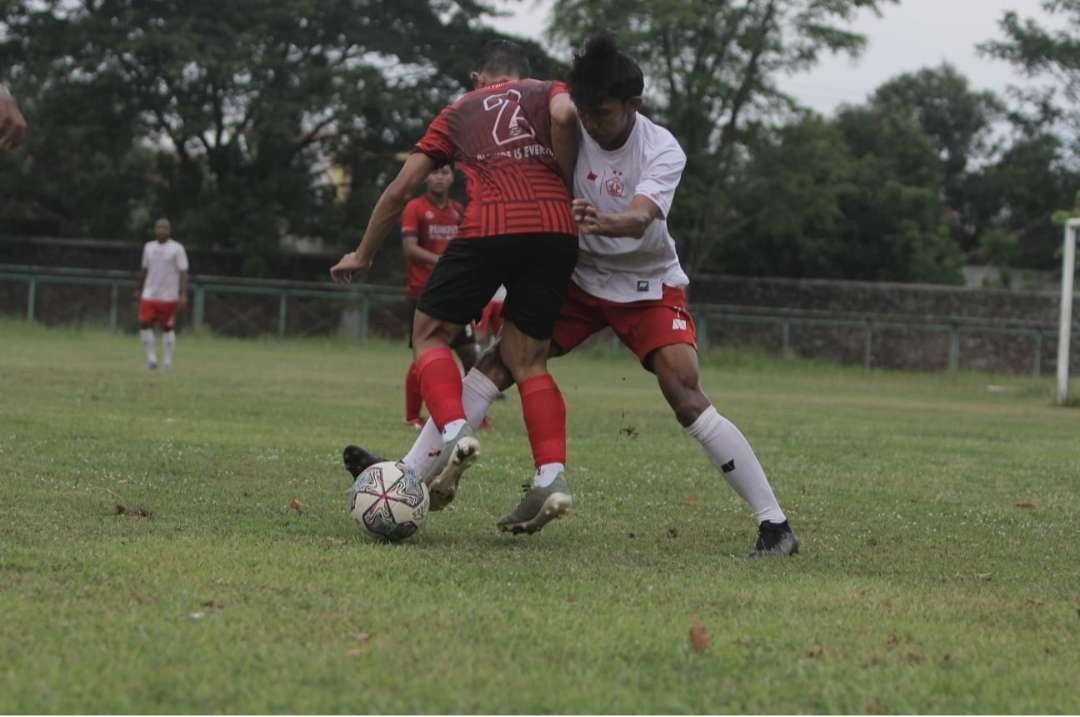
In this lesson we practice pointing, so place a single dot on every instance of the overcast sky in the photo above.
(908, 36)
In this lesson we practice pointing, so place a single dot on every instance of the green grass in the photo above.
(922, 587)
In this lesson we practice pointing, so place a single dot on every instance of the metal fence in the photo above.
(254, 307)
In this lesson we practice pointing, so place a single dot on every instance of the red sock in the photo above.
(545, 418)
(414, 401)
(440, 385)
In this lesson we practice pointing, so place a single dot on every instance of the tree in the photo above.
(227, 116)
(959, 122)
(711, 69)
(1039, 173)
(1051, 55)
(789, 203)
(894, 227)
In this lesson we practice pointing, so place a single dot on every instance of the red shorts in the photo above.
(642, 326)
(491, 319)
(160, 312)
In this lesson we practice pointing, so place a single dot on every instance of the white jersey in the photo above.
(650, 163)
(163, 262)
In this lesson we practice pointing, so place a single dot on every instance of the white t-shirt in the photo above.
(650, 163)
(163, 262)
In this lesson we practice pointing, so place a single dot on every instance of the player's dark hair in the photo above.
(502, 57)
(601, 71)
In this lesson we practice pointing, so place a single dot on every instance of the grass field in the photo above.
(937, 514)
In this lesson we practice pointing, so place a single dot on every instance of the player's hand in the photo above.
(181, 303)
(342, 272)
(12, 123)
(586, 216)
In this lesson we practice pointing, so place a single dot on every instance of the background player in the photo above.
(161, 289)
(515, 140)
(12, 123)
(428, 224)
(628, 277)
(490, 323)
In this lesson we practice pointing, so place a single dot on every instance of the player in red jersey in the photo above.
(12, 123)
(428, 224)
(515, 140)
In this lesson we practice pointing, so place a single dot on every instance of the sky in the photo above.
(906, 37)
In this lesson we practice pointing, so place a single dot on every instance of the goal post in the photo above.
(1068, 268)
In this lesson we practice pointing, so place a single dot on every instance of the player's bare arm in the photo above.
(414, 252)
(384, 217)
(629, 223)
(182, 300)
(140, 280)
(12, 122)
(565, 136)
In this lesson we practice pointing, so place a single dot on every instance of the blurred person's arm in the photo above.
(564, 134)
(12, 123)
(182, 301)
(414, 252)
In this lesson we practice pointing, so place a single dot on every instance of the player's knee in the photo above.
(491, 365)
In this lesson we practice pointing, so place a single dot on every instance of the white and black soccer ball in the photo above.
(389, 501)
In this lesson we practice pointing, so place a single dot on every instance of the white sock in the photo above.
(477, 395)
(147, 336)
(546, 474)
(729, 451)
(450, 430)
(168, 345)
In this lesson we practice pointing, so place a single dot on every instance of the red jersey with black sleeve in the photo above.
(434, 227)
(499, 137)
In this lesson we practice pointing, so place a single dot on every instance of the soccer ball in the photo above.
(388, 501)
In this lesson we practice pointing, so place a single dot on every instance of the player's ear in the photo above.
(634, 104)
(475, 78)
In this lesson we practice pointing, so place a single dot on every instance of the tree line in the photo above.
(249, 121)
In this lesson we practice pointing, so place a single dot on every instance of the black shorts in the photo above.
(535, 268)
(466, 336)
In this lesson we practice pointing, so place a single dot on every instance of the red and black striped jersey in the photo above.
(499, 137)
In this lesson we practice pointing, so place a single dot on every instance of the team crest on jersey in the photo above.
(591, 176)
(615, 186)
(429, 215)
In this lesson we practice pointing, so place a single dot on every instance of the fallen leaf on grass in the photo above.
(740, 641)
(673, 532)
(143, 598)
(1034, 601)
(296, 505)
(946, 658)
(133, 512)
(1025, 504)
(629, 431)
(332, 542)
(361, 637)
(355, 652)
(699, 637)
(212, 605)
(689, 499)
(893, 639)
(873, 708)
(911, 657)
(983, 576)
(816, 651)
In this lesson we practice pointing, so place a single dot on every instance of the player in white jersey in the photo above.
(161, 290)
(628, 278)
